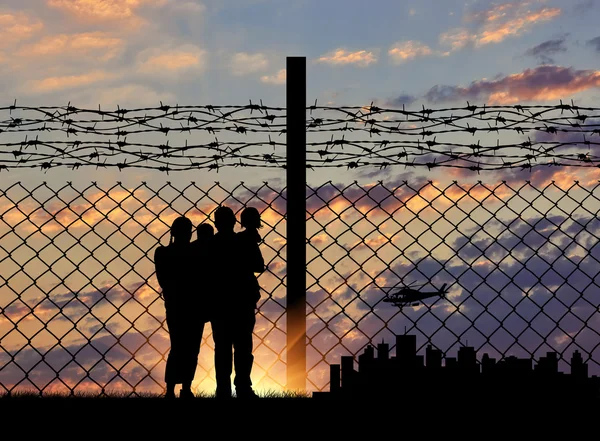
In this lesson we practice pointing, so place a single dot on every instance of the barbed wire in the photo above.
(175, 138)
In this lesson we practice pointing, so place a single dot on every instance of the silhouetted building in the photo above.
(578, 368)
(512, 366)
(467, 360)
(383, 351)
(548, 365)
(366, 360)
(451, 363)
(406, 350)
(334, 378)
(347, 371)
(487, 364)
(419, 360)
(433, 358)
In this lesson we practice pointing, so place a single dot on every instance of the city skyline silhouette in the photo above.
(410, 375)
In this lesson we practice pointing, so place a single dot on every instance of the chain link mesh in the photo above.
(520, 263)
(81, 309)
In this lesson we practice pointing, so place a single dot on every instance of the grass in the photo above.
(116, 395)
(113, 408)
(107, 415)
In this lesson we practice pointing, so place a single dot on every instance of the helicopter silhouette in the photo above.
(407, 296)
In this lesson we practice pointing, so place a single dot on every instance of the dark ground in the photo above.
(305, 417)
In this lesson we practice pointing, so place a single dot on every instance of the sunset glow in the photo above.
(78, 289)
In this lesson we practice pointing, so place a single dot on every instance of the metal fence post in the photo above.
(296, 222)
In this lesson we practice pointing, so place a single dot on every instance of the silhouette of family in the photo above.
(212, 279)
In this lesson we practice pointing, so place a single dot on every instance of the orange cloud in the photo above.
(342, 57)
(498, 23)
(96, 43)
(543, 83)
(374, 243)
(514, 27)
(278, 78)
(101, 9)
(53, 84)
(456, 38)
(539, 177)
(495, 12)
(15, 28)
(564, 177)
(502, 99)
(320, 239)
(408, 50)
(169, 61)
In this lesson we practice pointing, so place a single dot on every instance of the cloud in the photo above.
(495, 12)
(342, 57)
(96, 44)
(456, 38)
(540, 177)
(78, 362)
(169, 60)
(545, 50)
(18, 27)
(595, 43)
(243, 63)
(128, 14)
(278, 78)
(101, 9)
(496, 24)
(543, 83)
(403, 99)
(53, 84)
(408, 50)
(66, 305)
(562, 177)
(571, 135)
(514, 27)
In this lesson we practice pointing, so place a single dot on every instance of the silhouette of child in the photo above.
(250, 220)
(203, 274)
(204, 232)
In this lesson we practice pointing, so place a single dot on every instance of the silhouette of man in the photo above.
(233, 317)
(174, 271)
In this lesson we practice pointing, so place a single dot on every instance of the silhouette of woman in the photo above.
(175, 276)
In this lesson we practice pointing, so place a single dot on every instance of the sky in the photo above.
(138, 53)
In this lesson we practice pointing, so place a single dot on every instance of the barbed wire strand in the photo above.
(551, 135)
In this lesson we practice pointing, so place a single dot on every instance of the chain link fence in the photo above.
(81, 309)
